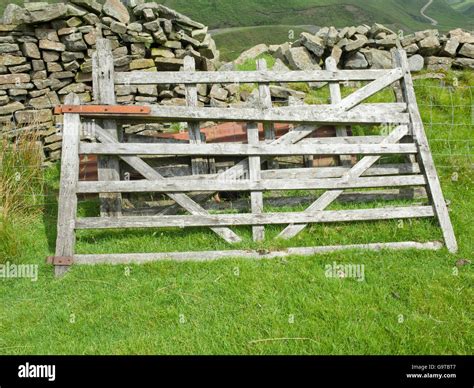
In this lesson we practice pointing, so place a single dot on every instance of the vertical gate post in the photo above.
(67, 203)
(104, 94)
(335, 93)
(198, 165)
(424, 153)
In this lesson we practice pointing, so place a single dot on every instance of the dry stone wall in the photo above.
(46, 50)
(365, 47)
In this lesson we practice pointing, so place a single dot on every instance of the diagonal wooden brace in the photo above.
(182, 199)
(330, 196)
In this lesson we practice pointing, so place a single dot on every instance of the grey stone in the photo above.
(53, 67)
(148, 90)
(378, 28)
(33, 116)
(50, 56)
(450, 47)
(461, 35)
(279, 65)
(283, 92)
(30, 50)
(299, 58)
(20, 68)
(51, 12)
(378, 59)
(354, 45)
(47, 34)
(69, 56)
(11, 60)
(11, 108)
(17, 92)
(49, 100)
(464, 63)
(115, 9)
(416, 63)
(168, 64)
(412, 49)
(37, 64)
(429, 45)
(467, 50)
(73, 10)
(51, 46)
(356, 61)
(313, 43)
(74, 22)
(119, 28)
(218, 93)
(8, 48)
(90, 5)
(251, 53)
(4, 100)
(136, 27)
(14, 79)
(74, 42)
(438, 63)
(14, 14)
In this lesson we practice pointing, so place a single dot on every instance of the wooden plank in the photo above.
(222, 77)
(351, 175)
(256, 197)
(370, 89)
(425, 157)
(67, 203)
(322, 114)
(318, 172)
(254, 219)
(236, 149)
(186, 185)
(183, 200)
(102, 109)
(142, 258)
(199, 165)
(265, 99)
(417, 194)
(108, 167)
(335, 95)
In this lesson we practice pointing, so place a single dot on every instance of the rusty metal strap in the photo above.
(60, 260)
(102, 109)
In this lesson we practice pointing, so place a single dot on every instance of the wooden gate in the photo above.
(404, 135)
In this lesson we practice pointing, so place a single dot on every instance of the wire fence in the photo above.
(448, 115)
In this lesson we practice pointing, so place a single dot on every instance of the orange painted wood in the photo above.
(102, 109)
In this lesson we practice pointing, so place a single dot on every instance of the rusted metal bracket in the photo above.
(103, 109)
(60, 260)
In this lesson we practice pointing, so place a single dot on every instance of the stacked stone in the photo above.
(365, 47)
(46, 50)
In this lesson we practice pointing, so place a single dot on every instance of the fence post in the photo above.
(198, 165)
(104, 93)
(67, 203)
(424, 153)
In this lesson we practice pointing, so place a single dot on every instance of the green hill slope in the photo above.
(403, 14)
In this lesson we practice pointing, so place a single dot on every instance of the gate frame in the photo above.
(343, 111)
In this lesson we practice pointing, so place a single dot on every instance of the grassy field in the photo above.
(410, 302)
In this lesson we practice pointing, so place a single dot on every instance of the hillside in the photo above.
(403, 14)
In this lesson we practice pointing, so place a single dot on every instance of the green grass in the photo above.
(411, 302)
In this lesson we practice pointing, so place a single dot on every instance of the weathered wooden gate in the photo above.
(406, 137)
